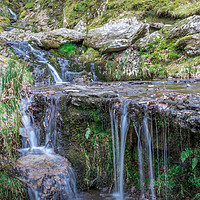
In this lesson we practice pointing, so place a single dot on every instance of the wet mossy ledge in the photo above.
(84, 135)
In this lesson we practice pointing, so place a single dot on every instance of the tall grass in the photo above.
(13, 77)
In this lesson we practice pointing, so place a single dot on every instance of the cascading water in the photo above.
(145, 156)
(47, 174)
(25, 51)
(118, 143)
(13, 15)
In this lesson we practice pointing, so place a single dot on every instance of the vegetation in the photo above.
(14, 77)
(76, 10)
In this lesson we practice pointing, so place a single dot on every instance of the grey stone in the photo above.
(142, 43)
(59, 36)
(190, 44)
(130, 60)
(188, 26)
(157, 25)
(116, 35)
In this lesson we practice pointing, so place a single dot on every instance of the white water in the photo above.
(14, 16)
(118, 143)
(145, 155)
(92, 69)
(148, 146)
(26, 51)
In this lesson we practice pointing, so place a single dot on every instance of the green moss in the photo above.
(90, 55)
(87, 10)
(1, 29)
(51, 44)
(4, 22)
(22, 14)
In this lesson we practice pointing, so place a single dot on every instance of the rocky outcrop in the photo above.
(116, 35)
(130, 60)
(190, 44)
(188, 26)
(142, 43)
(50, 39)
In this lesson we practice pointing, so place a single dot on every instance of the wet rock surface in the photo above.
(45, 173)
(175, 100)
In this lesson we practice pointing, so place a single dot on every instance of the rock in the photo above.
(130, 60)
(157, 25)
(90, 55)
(116, 35)
(81, 27)
(190, 44)
(188, 26)
(50, 39)
(142, 43)
(46, 173)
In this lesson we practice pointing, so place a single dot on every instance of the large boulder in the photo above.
(190, 44)
(188, 26)
(116, 35)
(142, 43)
(50, 39)
(48, 175)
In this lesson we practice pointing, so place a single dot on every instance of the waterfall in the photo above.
(92, 69)
(145, 155)
(118, 144)
(28, 53)
(47, 174)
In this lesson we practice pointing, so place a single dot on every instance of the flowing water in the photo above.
(118, 143)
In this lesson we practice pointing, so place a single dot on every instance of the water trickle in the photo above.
(118, 143)
(92, 69)
(13, 15)
(145, 156)
(65, 73)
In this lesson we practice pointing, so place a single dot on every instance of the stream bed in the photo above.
(46, 167)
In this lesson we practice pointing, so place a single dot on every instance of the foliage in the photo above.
(11, 187)
(14, 77)
(96, 143)
(157, 56)
(189, 153)
(29, 5)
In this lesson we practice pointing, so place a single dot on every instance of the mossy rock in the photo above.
(79, 163)
(1, 29)
(51, 44)
(4, 22)
(190, 44)
(90, 55)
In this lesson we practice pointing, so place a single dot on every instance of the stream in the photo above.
(46, 172)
